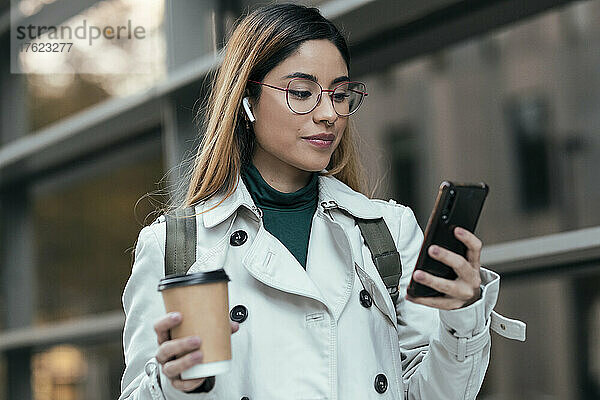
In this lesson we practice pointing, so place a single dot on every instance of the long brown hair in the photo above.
(260, 41)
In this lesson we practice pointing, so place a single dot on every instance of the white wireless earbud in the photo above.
(246, 105)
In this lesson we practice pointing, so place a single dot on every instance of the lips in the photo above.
(321, 136)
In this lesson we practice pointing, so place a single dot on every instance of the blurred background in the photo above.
(505, 91)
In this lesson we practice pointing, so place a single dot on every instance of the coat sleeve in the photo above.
(143, 306)
(444, 354)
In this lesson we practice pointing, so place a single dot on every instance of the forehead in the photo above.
(316, 57)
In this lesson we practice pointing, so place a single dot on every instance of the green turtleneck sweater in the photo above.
(287, 216)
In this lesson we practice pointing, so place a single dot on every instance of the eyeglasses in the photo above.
(303, 95)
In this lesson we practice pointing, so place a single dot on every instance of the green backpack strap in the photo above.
(383, 252)
(180, 243)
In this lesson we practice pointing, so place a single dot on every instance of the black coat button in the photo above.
(238, 313)
(238, 238)
(245, 398)
(381, 383)
(365, 299)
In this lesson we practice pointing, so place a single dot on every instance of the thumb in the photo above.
(234, 326)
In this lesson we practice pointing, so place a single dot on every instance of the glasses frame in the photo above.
(287, 99)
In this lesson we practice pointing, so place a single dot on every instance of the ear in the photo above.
(247, 109)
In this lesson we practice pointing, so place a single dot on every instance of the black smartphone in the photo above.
(457, 204)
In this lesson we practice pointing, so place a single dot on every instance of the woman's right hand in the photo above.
(180, 354)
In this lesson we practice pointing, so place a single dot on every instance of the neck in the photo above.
(280, 175)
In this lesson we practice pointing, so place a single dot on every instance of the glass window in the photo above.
(115, 64)
(400, 140)
(86, 222)
(72, 372)
(593, 359)
(3, 381)
(515, 108)
(559, 359)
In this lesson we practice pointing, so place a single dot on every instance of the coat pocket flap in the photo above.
(376, 294)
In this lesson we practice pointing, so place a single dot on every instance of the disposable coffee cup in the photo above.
(203, 302)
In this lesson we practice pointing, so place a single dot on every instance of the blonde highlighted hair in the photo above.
(260, 41)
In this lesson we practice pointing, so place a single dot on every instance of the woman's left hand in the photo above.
(462, 291)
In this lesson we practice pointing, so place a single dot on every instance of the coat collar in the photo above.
(333, 193)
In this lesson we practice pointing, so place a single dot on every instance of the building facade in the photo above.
(506, 92)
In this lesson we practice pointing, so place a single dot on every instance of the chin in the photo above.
(315, 166)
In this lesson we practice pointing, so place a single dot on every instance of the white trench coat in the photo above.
(306, 335)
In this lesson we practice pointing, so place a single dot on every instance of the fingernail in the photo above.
(460, 231)
(174, 315)
(418, 275)
(196, 356)
(434, 250)
(194, 341)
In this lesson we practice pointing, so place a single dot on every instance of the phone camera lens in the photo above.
(444, 217)
(452, 192)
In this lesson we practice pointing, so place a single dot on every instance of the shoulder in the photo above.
(357, 203)
(390, 206)
(158, 227)
(155, 233)
(159, 220)
(399, 218)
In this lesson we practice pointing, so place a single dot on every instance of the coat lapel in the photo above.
(328, 263)
(335, 245)
(269, 261)
(356, 205)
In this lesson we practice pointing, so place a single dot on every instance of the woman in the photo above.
(277, 185)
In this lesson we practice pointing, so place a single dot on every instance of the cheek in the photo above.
(272, 119)
(276, 126)
(342, 126)
(341, 131)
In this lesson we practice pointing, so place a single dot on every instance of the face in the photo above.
(280, 133)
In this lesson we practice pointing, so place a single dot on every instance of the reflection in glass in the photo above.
(69, 372)
(84, 235)
(63, 83)
(31, 7)
(58, 373)
(515, 108)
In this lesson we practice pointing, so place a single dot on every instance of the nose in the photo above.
(324, 112)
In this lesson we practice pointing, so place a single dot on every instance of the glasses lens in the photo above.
(302, 95)
(348, 97)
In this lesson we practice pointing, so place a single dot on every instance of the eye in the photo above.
(339, 97)
(300, 94)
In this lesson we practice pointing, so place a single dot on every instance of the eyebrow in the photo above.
(314, 78)
(340, 79)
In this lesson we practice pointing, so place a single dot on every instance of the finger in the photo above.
(235, 326)
(177, 348)
(163, 325)
(442, 303)
(172, 369)
(473, 244)
(187, 384)
(451, 259)
(452, 288)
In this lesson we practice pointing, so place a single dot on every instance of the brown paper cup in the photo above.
(202, 300)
